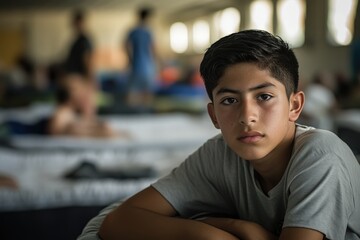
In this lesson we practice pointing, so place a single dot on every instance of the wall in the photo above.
(317, 54)
(47, 35)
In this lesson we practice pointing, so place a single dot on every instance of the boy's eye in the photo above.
(264, 97)
(229, 101)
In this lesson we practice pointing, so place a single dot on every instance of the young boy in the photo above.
(264, 177)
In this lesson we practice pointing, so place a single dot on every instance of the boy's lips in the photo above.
(250, 137)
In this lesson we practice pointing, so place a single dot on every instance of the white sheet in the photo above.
(162, 142)
(149, 131)
(42, 185)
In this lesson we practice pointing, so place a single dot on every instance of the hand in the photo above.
(254, 231)
(242, 229)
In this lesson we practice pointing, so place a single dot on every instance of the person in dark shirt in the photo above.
(78, 60)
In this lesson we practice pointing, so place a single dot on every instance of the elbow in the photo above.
(103, 230)
(106, 231)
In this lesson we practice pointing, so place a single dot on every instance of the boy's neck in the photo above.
(270, 169)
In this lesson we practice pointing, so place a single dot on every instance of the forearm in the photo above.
(244, 230)
(130, 223)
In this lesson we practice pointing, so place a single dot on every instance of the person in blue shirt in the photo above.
(141, 54)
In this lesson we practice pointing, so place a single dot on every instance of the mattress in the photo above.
(39, 163)
(146, 132)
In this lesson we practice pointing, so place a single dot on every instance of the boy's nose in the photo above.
(247, 114)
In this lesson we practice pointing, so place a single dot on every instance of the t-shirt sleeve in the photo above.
(193, 188)
(320, 195)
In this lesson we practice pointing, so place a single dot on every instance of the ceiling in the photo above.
(165, 6)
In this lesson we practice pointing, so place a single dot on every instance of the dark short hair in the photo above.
(265, 50)
(144, 13)
(78, 16)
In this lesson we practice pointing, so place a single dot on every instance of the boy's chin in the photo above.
(251, 155)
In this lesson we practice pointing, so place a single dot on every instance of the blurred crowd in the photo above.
(79, 93)
(327, 94)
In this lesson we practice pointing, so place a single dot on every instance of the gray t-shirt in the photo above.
(320, 188)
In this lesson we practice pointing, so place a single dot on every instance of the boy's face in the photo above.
(253, 111)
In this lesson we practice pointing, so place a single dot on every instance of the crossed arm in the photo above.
(149, 216)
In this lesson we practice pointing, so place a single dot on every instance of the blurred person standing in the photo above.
(141, 53)
(321, 104)
(79, 58)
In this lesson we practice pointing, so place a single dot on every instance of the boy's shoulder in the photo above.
(313, 146)
(214, 143)
(318, 140)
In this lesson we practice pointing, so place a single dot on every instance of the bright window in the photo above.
(261, 15)
(179, 37)
(201, 35)
(341, 21)
(291, 21)
(227, 21)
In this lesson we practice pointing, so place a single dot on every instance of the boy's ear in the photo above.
(211, 111)
(297, 101)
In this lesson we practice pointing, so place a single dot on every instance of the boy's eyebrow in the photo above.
(229, 90)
